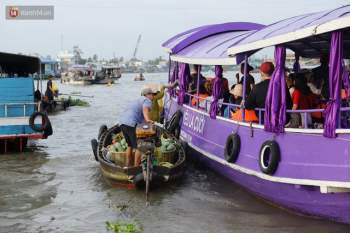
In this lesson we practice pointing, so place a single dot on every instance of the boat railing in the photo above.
(304, 113)
(25, 106)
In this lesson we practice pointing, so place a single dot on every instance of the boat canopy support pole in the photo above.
(169, 70)
(198, 75)
(41, 79)
(244, 85)
(5, 142)
(20, 145)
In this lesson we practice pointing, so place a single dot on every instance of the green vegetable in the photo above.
(123, 141)
(113, 148)
(170, 147)
(166, 144)
(163, 148)
(119, 147)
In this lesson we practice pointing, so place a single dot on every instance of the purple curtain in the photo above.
(217, 92)
(184, 77)
(173, 77)
(296, 65)
(335, 76)
(275, 103)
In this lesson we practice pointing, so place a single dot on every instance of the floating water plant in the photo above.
(122, 227)
(78, 102)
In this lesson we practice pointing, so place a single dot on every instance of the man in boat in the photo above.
(320, 75)
(157, 102)
(250, 82)
(49, 89)
(137, 113)
(257, 96)
(193, 81)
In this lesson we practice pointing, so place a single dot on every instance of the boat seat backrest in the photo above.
(16, 90)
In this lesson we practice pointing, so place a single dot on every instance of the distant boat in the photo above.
(112, 72)
(139, 77)
(78, 75)
(107, 75)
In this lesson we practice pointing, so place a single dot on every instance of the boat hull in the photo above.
(103, 81)
(131, 177)
(305, 200)
(306, 173)
(73, 81)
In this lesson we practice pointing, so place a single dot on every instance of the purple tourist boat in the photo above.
(305, 170)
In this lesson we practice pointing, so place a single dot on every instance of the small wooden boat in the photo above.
(55, 105)
(139, 77)
(117, 174)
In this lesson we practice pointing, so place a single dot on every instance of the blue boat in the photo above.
(19, 120)
(49, 67)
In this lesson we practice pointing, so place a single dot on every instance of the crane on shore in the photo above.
(136, 47)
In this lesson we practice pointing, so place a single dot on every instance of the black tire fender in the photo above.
(173, 125)
(44, 125)
(232, 147)
(269, 157)
(102, 130)
(94, 145)
(48, 130)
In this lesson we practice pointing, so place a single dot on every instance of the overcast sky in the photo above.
(105, 27)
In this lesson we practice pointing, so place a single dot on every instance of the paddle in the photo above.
(86, 96)
(147, 177)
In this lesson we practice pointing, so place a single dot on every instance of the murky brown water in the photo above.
(57, 187)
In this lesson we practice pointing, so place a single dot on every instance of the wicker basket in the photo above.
(162, 156)
(119, 158)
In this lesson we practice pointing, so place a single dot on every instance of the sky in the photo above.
(111, 27)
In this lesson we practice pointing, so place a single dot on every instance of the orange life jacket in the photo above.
(201, 100)
(318, 115)
(344, 94)
(250, 116)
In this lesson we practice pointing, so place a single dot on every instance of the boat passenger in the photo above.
(312, 84)
(302, 97)
(204, 94)
(192, 87)
(290, 83)
(137, 113)
(250, 82)
(49, 93)
(232, 100)
(157, 104)
(236, 115)
(320, 74)
(225, 93)
(257, 96)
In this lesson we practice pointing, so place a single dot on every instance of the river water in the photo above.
(56, 186)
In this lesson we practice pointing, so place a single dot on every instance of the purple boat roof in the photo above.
(211, 50)
(208, 44)
(307, 34)
(173, 41)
